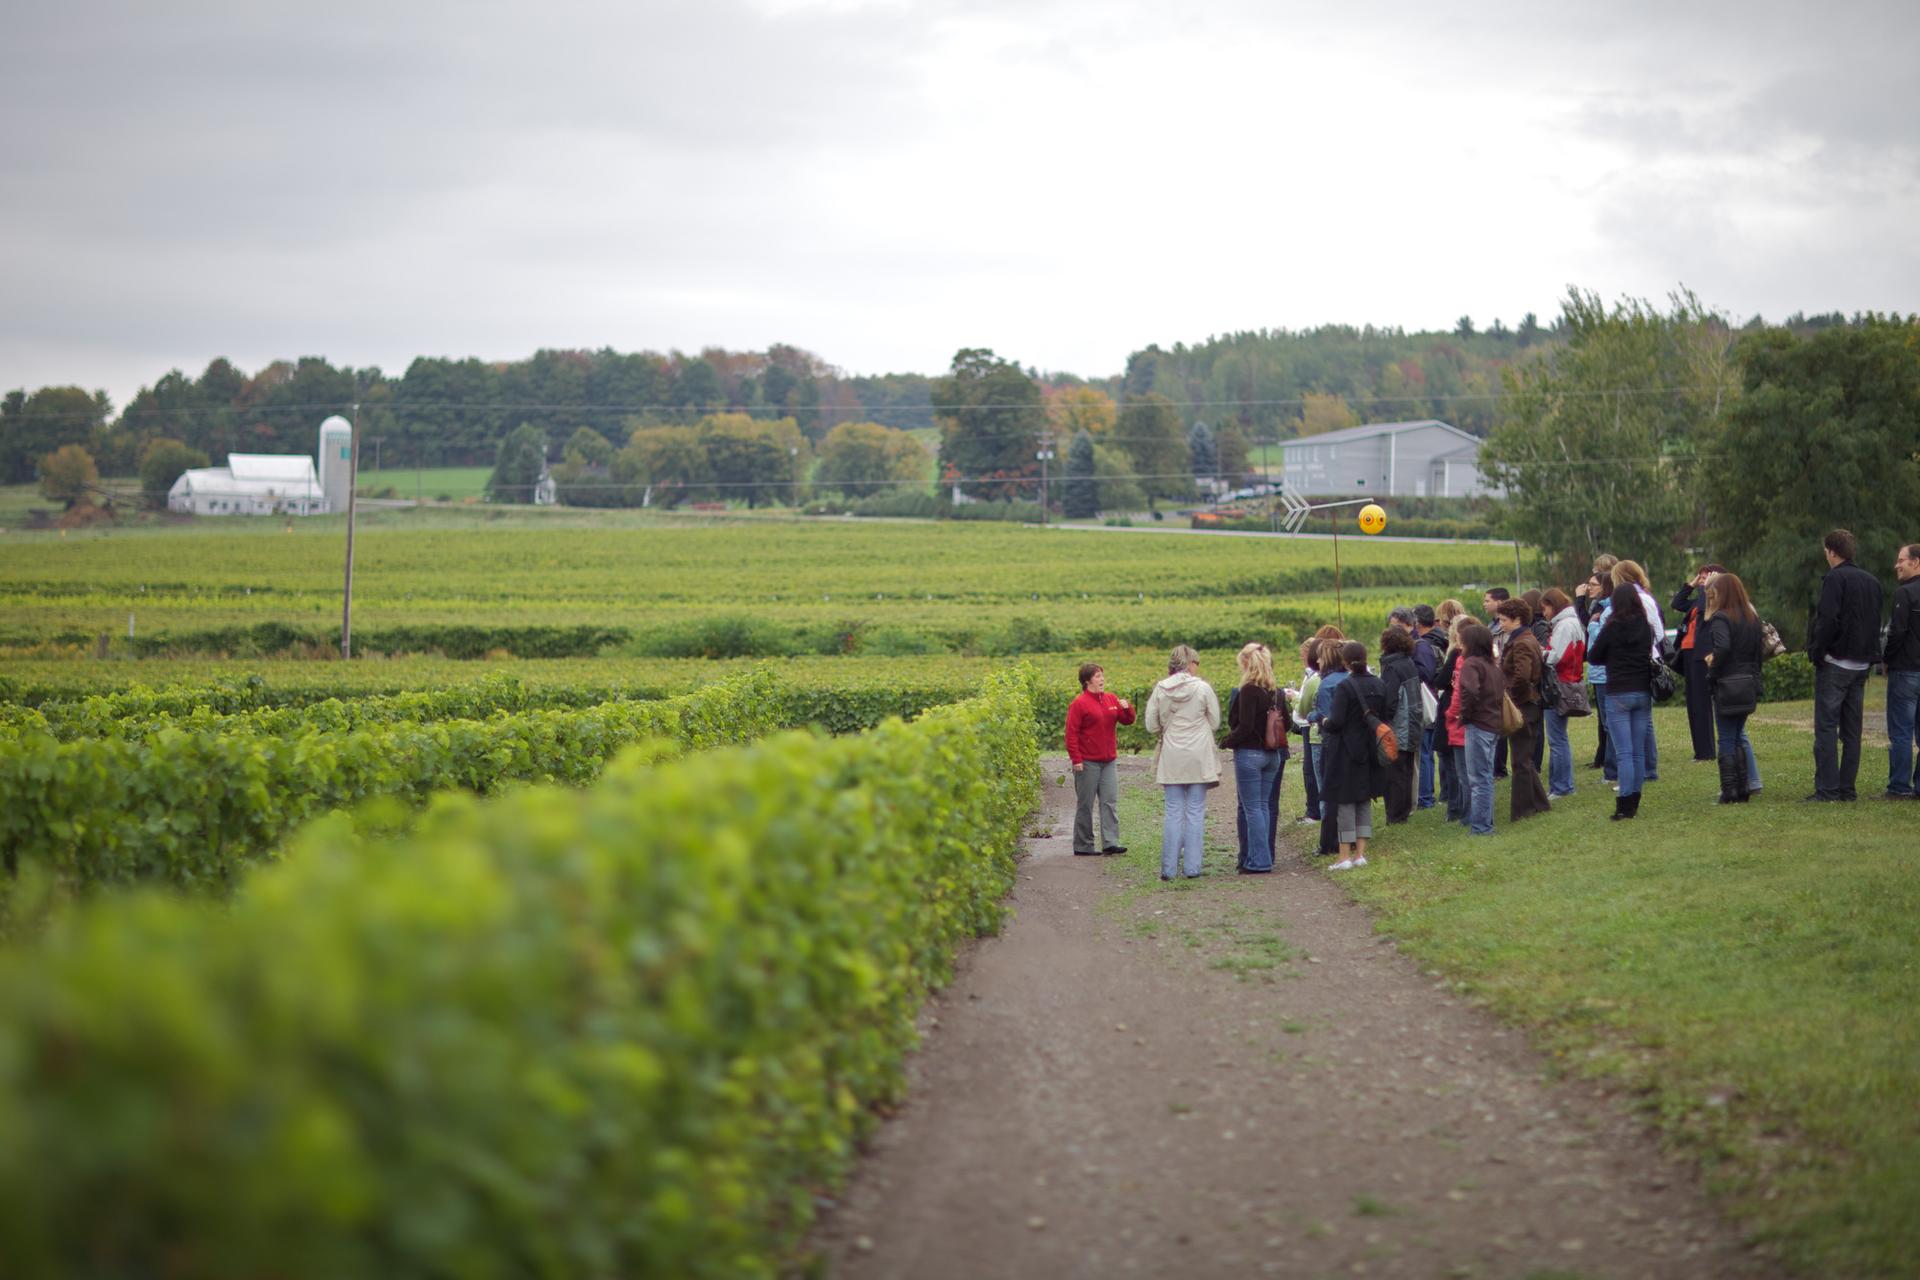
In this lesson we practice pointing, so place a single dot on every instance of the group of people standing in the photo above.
(1458, 703)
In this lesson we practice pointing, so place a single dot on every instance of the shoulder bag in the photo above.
(1511, 719)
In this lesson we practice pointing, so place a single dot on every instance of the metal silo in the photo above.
(336, 461)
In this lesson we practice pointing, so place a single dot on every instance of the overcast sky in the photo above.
(883, 183)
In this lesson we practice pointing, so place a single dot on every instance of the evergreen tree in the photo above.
(1081, 501)
(1202, 453)
(517, 466)
(1150, 431)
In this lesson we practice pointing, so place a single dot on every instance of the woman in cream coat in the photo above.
(1184, 712)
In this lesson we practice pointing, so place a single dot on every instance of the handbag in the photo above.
(1771, 645)
(1736, 693)
(1663, 686)
(1511, 719)
(1429, 704)
(1386, 749)
(1276, 728)
(1573, 700)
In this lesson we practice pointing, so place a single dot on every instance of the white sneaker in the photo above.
(1345, 864)
(1360, 861)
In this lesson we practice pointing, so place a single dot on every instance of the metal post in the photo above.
(1045, 454)
(1339, 605)
(353, 482)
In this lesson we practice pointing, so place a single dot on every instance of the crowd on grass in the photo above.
(1449, 703)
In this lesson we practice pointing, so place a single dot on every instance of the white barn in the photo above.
(251, 484)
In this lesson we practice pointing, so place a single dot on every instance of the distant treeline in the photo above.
(1270, 384)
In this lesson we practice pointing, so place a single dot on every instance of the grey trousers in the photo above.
(1101, 780)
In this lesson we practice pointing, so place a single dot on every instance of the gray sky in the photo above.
(883, 183)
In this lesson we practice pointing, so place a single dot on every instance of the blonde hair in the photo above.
(1181, 658)
(1604, 563)
(1310, 653)
(1446, 611)
(1331, 658)
(1256, 665)
(1628, 571)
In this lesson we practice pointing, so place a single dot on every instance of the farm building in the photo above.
(251, 484)
(1425, 459)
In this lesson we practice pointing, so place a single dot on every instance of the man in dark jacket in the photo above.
(1902, 657)
(1843, 647)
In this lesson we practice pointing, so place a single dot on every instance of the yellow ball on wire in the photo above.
(1372, 518)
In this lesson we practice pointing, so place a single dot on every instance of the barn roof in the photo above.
(292, 468)
(1380, 429)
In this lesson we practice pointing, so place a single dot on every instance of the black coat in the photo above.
(1903, 637)
(1396, 670)
(1847, 622)
(1735, 644)
(1625, 648)
(1353, 775)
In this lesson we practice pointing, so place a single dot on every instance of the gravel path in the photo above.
(1236, 1076)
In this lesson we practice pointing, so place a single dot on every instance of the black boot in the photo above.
(1620, 808)
(1633, 804)
(1733, 778)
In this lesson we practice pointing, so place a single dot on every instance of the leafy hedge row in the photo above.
(191, 808)
(621, 1031)
(142, 712)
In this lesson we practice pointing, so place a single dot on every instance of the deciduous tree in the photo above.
(991, 419)
(864, 458)
(162, 462)
(68, 475)
(517, 466)
(1149, 429)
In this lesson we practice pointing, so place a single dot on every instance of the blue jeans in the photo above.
(1479, 770)
(1628, 715)
(1559, 756)
(1903, 697)
(1611, 772)
(1180, 830)
(1838, 698)
(1425, 796)
(1256, 775)
(1649, 749)
(1731, 732)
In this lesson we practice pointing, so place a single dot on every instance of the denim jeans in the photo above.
(1425, 797)
(1649, 749)
(1479, 771)
(1903, 697)
(1627, 717)
(1256, 776)
(1181, 828)
(1732, 734)
(1559, 756)
(1839, 698)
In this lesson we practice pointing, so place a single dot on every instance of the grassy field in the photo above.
(430, 484)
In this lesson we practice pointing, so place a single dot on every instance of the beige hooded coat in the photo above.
(1185, 713)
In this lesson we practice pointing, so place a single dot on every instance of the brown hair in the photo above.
(1088, 670)
(1533, 597)
(1842, 544)
(1514, 609)
(1629, 571)
(1354, 654)
(1447, 610)
(1604, 563)
(1310, 654)
(1395, 640)
(1476, 641)
(1330, 654)
(1555, 599)
(1727, 594)
(1329, 632)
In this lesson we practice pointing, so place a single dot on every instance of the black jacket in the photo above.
(1847, 623)
(1247, 717)
(1903, 637)
(1444, 693)
(1687, 601)
(1735, 644)
(1397, 669)
(1625, 648)
(1353, 776)
(1429, 651)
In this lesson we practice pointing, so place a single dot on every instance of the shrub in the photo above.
(625, 1031)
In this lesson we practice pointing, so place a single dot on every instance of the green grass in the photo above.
(428, 483)
(1749, 972)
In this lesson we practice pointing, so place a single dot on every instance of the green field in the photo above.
(428, 484)
(1745, 974)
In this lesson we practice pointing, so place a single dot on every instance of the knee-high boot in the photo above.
(1733, 777)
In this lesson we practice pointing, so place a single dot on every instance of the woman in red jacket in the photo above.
(1092, 748)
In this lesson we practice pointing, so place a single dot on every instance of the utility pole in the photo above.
(1045, 455)
(353, 482)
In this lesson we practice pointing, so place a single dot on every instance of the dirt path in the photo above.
(1235, 1076)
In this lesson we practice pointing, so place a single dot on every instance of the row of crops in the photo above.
(499, 978)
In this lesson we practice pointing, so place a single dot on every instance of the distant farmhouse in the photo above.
(264, 484)
(1426, 459)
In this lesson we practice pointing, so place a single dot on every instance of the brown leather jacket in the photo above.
(1523, 664)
